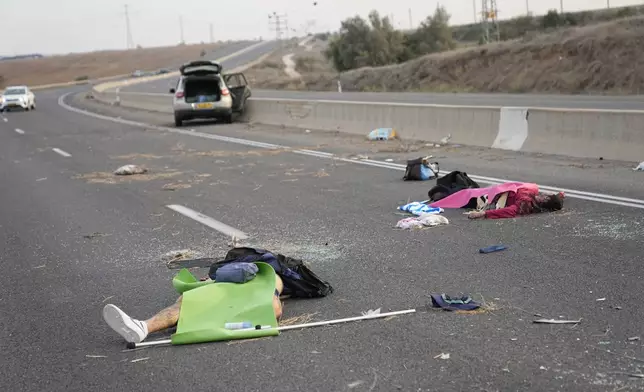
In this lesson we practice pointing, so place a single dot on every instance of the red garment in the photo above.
(513, 204)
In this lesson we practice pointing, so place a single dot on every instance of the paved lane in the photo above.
(337, 215)
(162, 86)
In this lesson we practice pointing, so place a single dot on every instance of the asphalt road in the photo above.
(76, 237)
(162, 86)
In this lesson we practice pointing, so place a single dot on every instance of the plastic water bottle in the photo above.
(242, 325)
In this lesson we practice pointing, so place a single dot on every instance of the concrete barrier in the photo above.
(616, 135)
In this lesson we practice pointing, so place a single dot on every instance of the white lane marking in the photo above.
(61, 152)
(20, 131)
(208, 221)
(591, 196)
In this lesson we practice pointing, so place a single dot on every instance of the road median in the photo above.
(605, 134)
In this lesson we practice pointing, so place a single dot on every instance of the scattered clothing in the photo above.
(463, 197)
(419, 208)
(640, 167)
(454, 303)
(299, 280)
(421, 169)
(236, 273)
(426, 220)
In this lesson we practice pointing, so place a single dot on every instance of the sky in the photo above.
(65, 26)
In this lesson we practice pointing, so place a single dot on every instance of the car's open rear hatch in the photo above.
(202, 89)
(200, 68)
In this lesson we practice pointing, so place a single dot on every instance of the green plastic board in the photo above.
(206, 308)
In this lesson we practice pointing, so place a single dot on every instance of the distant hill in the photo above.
(22, 57)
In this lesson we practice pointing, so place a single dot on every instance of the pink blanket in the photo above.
(461, 198)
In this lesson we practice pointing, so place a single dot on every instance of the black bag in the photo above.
(414, 170)
(299, 280)
(451, 183)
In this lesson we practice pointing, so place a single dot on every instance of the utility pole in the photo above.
(277, 22)
(561, 6)
(474, 8)
(181, 29)
(489, 20)
(527, 7)
(128, 30)
(411, 24)
(212, 37)
(607, 3)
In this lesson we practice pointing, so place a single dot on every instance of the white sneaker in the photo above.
(132, 330)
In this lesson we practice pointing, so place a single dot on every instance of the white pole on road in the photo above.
(299, 326)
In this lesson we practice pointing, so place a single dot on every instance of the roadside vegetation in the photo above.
(578, 53)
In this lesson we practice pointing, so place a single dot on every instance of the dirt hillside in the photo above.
(600, 59)
(67, 68)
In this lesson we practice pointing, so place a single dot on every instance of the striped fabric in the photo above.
(418, 208)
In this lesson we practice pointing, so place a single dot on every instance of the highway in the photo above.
(163, 86)
(458, 99)
(76, 237)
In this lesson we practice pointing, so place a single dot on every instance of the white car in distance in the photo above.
(17, 97)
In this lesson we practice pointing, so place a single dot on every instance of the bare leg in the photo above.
(166, 318)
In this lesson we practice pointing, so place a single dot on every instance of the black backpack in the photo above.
(413, 171)
(299, 280)
(452, 183)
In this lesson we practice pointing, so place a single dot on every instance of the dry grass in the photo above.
(600, 58)
(111, 178)
(67, 68)
(312, 64)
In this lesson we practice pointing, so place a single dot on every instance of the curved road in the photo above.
(482, 99)
(163, 85)
(74, 237)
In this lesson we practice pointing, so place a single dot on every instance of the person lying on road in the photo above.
(135, 331)
(524, 201)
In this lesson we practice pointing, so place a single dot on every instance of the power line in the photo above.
(128, 30)
(279, 23)
(489, 20)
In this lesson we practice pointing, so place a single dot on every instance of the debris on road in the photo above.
(175, 186)
(493, 248)
(553, 321)
(446, 302)
(139, 359)
(427, 220)
(359, 157)
(421, 169)
(382, 134)
(129, 170)
(442, 356)
(640, 167)
(183, 254)
(95, 356)
(446, 139)
(371, 312)
(94, 235)
(600, 299)
(420, 208)
(634, 339)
